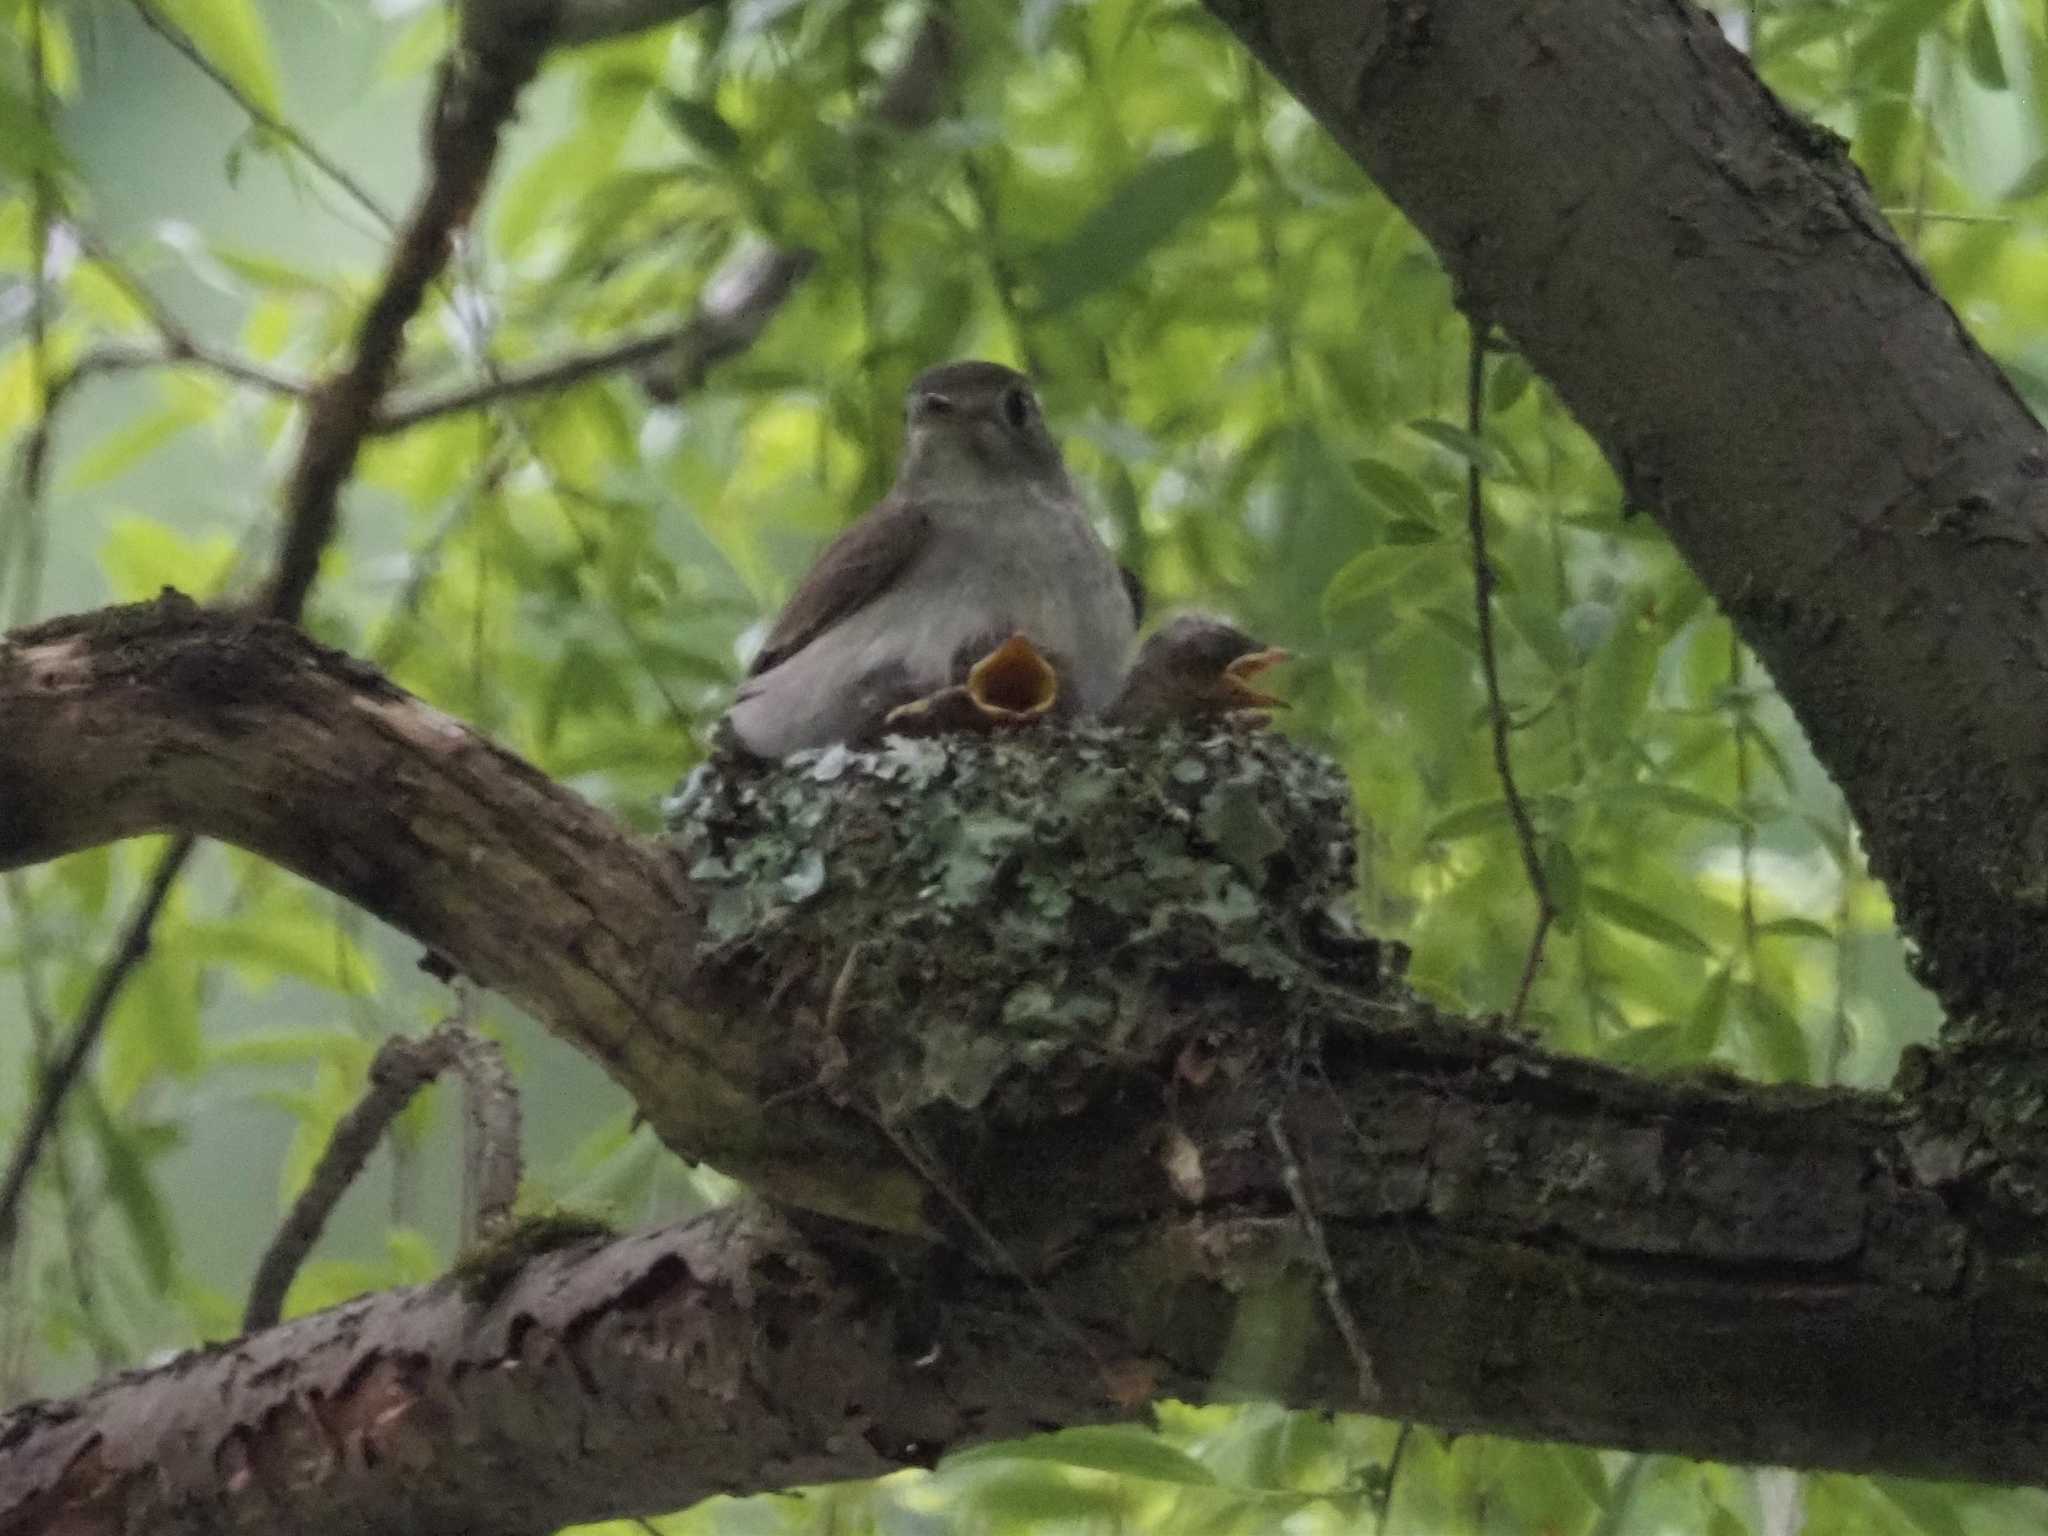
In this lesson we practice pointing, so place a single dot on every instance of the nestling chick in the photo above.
(1196, 668)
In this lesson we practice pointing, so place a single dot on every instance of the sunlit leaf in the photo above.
(1645, 922)
(232, 35)
(1125, 1450)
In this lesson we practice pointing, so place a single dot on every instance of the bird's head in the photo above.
(973, 423)
(1195, 667)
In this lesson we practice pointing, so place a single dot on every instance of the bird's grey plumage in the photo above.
(982, 536)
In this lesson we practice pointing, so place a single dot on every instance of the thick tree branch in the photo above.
(1529, 1244)
(244, 731)
(1707, 282)
(1709, 285)
(605, 1379)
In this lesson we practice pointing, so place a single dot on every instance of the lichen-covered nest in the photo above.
(936, 916)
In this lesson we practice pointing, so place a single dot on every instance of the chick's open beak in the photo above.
(1237, 679)
(1013, 681)
(1011, 686)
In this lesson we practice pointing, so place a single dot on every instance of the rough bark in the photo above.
(1532, 1244)
(160, 718)
(1707, 282)
(725, 1356)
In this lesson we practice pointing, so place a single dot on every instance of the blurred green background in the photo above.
(1259, 374)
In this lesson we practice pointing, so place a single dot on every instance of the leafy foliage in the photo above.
(1258, 369)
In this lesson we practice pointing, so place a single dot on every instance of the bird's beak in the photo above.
(1237, 679)
(1013, 682)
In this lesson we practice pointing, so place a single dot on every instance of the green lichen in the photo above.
(485, 1270)
(951, 919)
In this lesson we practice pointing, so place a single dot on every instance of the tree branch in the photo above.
(722, 1356)
(479, 85)
(1552, 1247)
(404, 1064)
(1706, 281)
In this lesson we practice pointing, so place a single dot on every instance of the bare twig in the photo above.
(410, 410)
(404, 1064)
(479, 86)
(32, 462)
(1745, 845)
(42, 209)
(181, 41)
(1489, 666)
(1394, 1460)
(1326, 1263)
(474, 100)
(491, 1144)
(735, 307)
(63, 1070)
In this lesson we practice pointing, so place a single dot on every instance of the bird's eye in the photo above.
(1017, 408)
(934, 405)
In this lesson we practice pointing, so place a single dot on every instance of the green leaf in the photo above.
(1565, 881)
(1534, 620)
(1980, 49)
(1645, 922)
(1779, 1041)
(271, 943)
(1676, 801)
(1137, 217)
(232, 36)
(1490, 816)
(2031, 182)
(1123, 1449)
(1397, 491)
(134, 1193)
(701, 126)
(1650, 1047)
(1462, 444)
(1617, 682)
(1508, 382)
(1372, 572)
(122, 449)
(1796, 928)
(27, 147)
(1895, 34)
(1931, 1508)
(1707, 1020)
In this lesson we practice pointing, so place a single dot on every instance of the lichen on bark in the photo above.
(989, 922)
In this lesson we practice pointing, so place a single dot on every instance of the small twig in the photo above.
(66, 1066)
(182, 43)
(734, 309)
(941, 1186)
(121, 357)
(1745, 845)
(479, 86)
(1489, 666)
(42, 212)
(411, 410)
(1319, 1245)
(1401, 1439)
(491, 1160)
(477, 92)
(403, 1065)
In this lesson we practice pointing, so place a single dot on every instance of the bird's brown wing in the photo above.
(1134, 589)
(857, 567)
